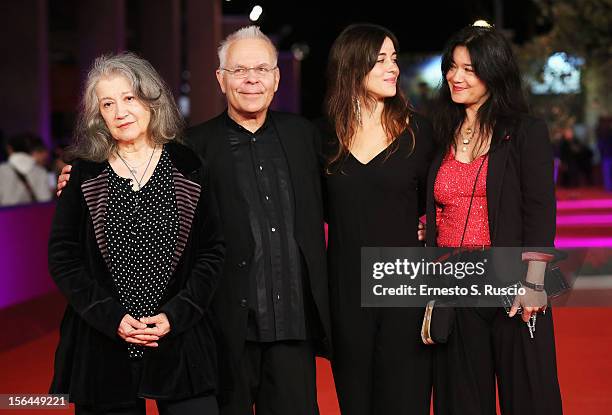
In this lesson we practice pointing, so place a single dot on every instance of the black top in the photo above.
(375, 204)
(141, 229)
(276, 303)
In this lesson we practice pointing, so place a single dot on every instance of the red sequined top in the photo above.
(452, 192)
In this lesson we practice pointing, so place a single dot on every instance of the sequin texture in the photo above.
(452, 192)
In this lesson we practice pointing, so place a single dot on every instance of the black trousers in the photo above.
(199, 405)
(380, 364)
(486, 346)
(204, 405)
(275, 378)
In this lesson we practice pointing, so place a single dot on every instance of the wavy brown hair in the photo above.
(352, 56)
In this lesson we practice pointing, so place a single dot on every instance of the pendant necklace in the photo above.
(132, 169)
(466, 136)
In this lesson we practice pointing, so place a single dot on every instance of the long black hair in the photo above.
(494, 64)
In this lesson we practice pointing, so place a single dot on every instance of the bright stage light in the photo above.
(481, 23)
(255, 13)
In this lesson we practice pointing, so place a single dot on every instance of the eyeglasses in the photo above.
(242, 72)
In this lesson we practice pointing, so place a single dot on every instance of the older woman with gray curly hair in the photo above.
(135, 247)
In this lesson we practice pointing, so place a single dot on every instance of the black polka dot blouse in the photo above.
(141, 229)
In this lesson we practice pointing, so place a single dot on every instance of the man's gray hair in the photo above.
(249, 32)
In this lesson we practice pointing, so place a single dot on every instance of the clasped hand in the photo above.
(137, 331)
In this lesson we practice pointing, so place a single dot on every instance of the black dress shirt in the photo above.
(276, 302)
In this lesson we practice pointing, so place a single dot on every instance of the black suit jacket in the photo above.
(520, 186)
(299, 139)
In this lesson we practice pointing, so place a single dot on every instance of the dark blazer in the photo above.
(520, 186)
(299, 139)
(91, 361)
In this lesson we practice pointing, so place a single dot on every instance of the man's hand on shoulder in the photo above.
(63, 178)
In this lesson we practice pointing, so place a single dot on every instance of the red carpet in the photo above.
(582, 193)
(584, 335)
(584, 217)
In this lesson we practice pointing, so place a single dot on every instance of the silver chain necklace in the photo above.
(130, 167)
(132, 170)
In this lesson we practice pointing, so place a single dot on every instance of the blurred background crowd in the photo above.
(564, 48)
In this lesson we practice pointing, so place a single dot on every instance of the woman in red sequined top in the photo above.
(492, 185)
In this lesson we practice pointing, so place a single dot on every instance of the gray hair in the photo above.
(92, 139)
(249, 32)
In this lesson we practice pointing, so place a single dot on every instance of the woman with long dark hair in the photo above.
(377, 161)
(492, 185)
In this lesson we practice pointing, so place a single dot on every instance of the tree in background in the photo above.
(580, 28)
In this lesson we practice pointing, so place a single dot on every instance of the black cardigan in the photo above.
(299, 140)
(520, 186)
(91, 361)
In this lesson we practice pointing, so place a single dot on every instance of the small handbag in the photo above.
(555, 281)
(438, 320)
(438, 323)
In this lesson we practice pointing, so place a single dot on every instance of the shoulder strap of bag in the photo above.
(25, 182)
(467, 219)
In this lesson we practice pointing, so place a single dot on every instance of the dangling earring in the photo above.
(357, 110)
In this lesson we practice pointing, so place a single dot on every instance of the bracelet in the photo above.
(537, 256)
(535, 287)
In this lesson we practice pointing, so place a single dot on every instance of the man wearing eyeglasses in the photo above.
(272, 302)
(271, 305)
